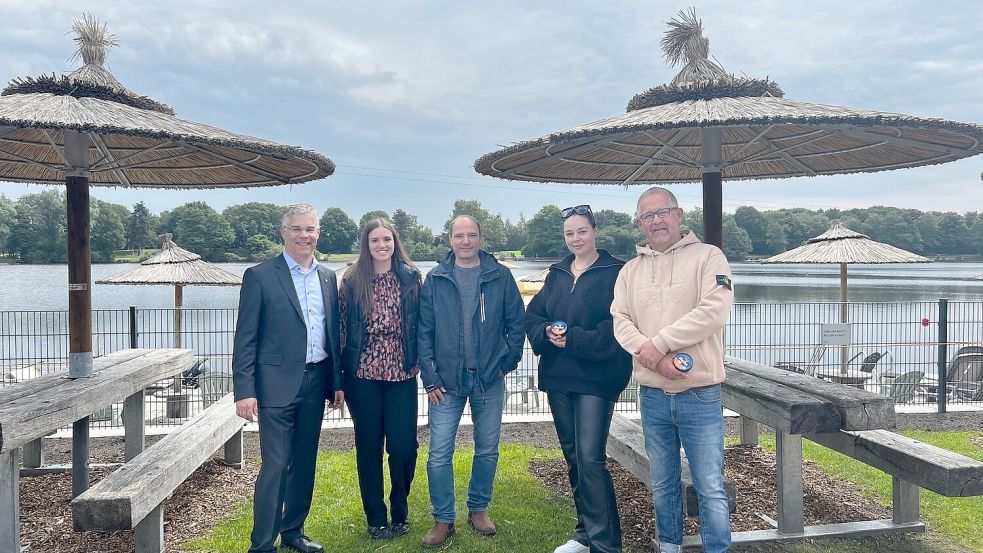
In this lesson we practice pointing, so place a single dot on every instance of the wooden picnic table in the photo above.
(31, 409)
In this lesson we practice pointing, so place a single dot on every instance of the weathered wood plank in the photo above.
(859, 409)
(783, 408)
(927, 466)
(839, 530)
(31, 409)
(626, 445)
(122, 499)
(10, 501)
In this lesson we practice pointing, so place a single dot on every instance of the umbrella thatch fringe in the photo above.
(704, 90)
(842, 245)
(174, 265)
(67, 86)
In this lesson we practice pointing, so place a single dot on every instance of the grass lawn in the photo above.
(954, 518)
(528, 517)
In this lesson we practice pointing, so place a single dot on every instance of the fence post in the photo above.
(133, 326)
(943, 355)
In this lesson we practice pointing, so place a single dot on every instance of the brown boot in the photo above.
(481, 523)
(438, 534)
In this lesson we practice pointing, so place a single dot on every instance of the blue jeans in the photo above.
(695, 419)
(486, 414)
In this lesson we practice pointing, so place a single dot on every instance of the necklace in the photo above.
(573, 265)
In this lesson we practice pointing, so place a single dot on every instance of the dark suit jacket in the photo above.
(270, 347)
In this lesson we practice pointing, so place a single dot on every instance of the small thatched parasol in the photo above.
(842, 245)
(529, 285)
(176, 266)
(708, 123)
(86, 127)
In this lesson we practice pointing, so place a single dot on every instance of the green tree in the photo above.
(976, 236)
(261, 248)
(38, 233)
(493, 236)
(617, 233)
(199, 228)
(737, 244)
(756, 225)
(140, 228)
(252, 218)
(338, 232)
(417, 238)
(515, 234)
(889, 227)
(928, 228)
(545, 231)
(8, 216)
(374, 214)
(953, 235)
(775, 239)
(106, 234)
(693, 221)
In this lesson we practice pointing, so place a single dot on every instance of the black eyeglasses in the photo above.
(583, 209)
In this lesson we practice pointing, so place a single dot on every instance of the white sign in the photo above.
(835, 334)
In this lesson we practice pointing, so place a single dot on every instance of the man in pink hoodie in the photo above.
(670, 306)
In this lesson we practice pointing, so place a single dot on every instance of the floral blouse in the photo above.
(382, 356)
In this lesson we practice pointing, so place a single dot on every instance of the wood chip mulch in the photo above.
(826, 500)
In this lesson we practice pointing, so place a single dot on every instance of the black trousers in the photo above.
(582, 425)
(384, 413)
(288, 438)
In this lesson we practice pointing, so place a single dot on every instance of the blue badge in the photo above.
(683, 362)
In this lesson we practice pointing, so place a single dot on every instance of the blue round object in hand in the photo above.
(559, 327)
(683, 362)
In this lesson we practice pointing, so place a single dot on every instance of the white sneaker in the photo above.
(572, 546)
(670, 548)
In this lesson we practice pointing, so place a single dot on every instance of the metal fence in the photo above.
(943, 341)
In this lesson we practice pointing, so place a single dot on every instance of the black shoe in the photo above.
(303, 544)
(380, 532)
(400, 529)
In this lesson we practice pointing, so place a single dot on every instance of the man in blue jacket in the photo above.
(470, 336)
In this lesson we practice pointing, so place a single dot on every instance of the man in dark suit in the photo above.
(285, 364)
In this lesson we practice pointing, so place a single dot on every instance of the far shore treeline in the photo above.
(32, 230)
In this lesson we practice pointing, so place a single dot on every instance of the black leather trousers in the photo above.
(582, 424)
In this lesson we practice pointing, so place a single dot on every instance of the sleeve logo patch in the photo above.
(725, 280)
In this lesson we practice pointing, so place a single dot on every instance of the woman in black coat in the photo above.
(380, 303)
(583, 370)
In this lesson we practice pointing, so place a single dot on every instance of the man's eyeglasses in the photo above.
(577, 210)
(650, 216)
(297, 230)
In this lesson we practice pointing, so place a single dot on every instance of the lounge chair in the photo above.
(965, 374)
(805, 367)
(903, 388)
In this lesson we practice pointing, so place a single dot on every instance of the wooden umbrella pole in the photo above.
(178, 304)
(79, 291)
(845, 350)
(713, 196)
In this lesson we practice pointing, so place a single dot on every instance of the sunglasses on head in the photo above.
(583, 209)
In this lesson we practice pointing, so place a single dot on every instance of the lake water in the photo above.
(44, 287)
(779, 315)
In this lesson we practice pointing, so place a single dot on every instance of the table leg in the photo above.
(904, 501)
(10, 501)
(80, 456)
(788, 449)
(133, 425)
(33, 454)
(749, 431)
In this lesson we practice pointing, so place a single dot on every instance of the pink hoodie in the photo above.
(680, 300)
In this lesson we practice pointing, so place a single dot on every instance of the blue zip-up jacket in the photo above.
(497, 325)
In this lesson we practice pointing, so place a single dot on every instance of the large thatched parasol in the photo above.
(844, 246)
(708, 124)
(86, 127)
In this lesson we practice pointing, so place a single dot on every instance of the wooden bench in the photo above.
(31, 409)
(850, 421)
(133, 496)
(626, 445)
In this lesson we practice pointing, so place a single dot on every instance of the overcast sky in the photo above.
(404, 96)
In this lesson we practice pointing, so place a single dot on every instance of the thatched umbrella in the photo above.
(86, 127)
(529, 285)
(176, 266)
(708, 124)
(844, 246)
